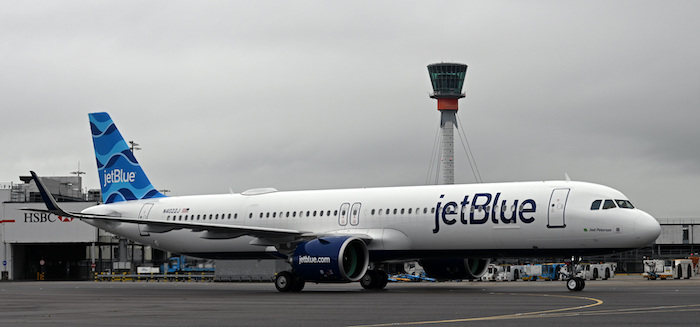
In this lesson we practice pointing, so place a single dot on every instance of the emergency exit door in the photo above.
(557, 208)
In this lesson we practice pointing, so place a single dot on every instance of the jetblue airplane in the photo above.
(348, 235)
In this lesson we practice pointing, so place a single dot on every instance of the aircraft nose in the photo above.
(646, 228)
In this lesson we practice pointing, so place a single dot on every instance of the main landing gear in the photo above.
(574, 283)
(286, 281)
(374, 279)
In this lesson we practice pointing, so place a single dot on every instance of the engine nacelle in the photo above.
(331, 259)
(448, 269)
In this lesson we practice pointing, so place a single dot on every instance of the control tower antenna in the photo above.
(447, 80)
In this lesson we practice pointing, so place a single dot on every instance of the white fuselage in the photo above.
(471, 220)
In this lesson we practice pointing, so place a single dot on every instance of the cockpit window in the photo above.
(624, 204)
(596, 204)
(609, 204)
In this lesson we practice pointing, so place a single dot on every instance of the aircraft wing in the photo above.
(264, 235)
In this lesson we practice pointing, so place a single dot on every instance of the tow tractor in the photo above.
(656, 268)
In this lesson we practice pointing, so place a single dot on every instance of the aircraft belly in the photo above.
(188, 241)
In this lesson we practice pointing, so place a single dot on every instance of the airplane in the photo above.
(349, 235)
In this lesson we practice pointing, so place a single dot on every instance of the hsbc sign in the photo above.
(43, 227)
(36, 217)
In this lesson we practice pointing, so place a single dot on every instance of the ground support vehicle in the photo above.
(657, 269)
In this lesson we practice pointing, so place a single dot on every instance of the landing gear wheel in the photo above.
(575, 284)
(284, 281)
(298, 284)
(382, 280)
(369, 280)
(374, 280)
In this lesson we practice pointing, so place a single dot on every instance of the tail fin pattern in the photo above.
(121, 176)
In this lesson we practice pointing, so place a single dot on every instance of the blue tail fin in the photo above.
(121, 176)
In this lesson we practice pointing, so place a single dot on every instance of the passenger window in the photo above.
(402, 211)
(609, 204)
(596, 204)
(372, 212)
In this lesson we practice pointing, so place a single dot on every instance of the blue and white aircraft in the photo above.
(347, 235)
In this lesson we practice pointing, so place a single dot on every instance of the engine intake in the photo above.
(331, 259)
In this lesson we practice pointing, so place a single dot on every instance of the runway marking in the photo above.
(671, 308)
(557, 312)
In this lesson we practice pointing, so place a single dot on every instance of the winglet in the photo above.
(47, 197)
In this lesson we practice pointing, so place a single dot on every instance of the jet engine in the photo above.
(447, 269)
(331, 259)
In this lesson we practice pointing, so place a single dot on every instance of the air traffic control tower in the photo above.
(447, 80)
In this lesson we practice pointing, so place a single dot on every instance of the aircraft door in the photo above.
(557, 208)
(343, 214)
(143, 214)
(355, 214)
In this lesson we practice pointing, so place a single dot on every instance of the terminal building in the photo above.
(41, 246)
(48, 247)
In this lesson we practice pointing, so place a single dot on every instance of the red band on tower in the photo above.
(447, 104)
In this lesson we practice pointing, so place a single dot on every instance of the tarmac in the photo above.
(621, 301)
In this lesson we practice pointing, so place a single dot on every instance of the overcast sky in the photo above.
(331, 94)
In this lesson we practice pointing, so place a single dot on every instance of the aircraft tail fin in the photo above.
(121, 176)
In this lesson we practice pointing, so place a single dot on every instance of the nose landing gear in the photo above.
(573, 283)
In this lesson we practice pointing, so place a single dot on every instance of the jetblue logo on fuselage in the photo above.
(119, 176)
(484, 207)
